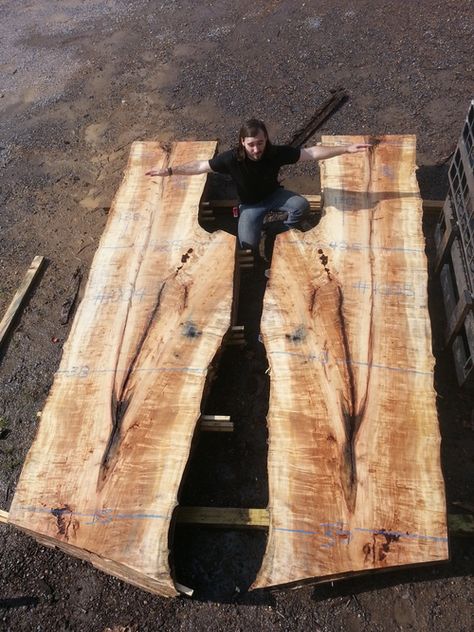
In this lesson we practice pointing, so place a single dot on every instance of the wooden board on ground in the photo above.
(354, 445)
(102, 477)
(9, 318)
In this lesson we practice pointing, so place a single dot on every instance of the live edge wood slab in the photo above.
(102, 477)
(354, 445)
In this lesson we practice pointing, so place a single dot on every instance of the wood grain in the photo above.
(354, 446)
(102, 477)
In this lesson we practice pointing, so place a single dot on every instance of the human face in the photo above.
(254, 145)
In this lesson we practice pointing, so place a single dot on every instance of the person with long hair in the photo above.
(254, 165)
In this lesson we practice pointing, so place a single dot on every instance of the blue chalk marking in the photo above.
(84, 371)
(106, 516)
(323, 358)
(130, 216)
(302, 531)
(348, 533)
(401, 534)
(119, 295)
(165, 245)
(386, 289)
(344, 245)
(373, 365)
(102, 516)
(115, 247)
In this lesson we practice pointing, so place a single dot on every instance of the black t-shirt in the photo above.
(255, 179)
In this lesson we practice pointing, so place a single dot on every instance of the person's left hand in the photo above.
(358, 147)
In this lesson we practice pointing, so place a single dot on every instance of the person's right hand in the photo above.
(157, 172)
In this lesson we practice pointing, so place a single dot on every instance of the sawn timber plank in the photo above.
(354, 447)
(102, 476)
(20, 295)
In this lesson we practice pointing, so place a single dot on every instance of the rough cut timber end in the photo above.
(102, 476)
(354, 444)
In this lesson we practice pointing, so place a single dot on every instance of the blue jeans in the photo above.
(252, 216)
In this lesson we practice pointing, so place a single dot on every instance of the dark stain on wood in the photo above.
(191, 330)
(298, 335)
(324, 261)
(312, 300)
(186, 255)
(367, 550)
(63, 517)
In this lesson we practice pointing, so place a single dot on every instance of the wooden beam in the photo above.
(236, 336)
(314, 200)
(433, 206)
(20, 295)
(3, 517)
(216, 423)
(333, 103)
(231, 517)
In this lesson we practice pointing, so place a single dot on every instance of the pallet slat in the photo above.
(225, 517)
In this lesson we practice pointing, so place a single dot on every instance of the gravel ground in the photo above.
(80, 82)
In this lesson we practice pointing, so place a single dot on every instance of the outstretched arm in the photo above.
(192, 168)
(321, 152)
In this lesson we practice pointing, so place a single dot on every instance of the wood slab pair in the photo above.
(354, 471)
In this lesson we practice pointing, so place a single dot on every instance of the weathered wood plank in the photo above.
(314, 201)
(216, 423)
(20, 295)
(333, 103)
(210, 208)
(224, 517)
(354, 459)
(102, 477)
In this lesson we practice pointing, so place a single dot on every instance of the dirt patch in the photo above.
(79, 84)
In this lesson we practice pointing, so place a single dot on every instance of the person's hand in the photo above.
(157, 172)
(357, 147)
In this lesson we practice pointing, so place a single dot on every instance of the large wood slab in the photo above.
(354, 455)
(102, 477)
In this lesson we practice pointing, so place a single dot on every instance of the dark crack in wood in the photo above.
(121, 401)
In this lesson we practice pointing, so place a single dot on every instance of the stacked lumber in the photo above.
(101, 479)
(354, 455)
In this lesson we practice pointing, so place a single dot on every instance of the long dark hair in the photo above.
(251, 128)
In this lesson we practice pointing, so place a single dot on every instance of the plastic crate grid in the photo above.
(468, 135)
(461, 193)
